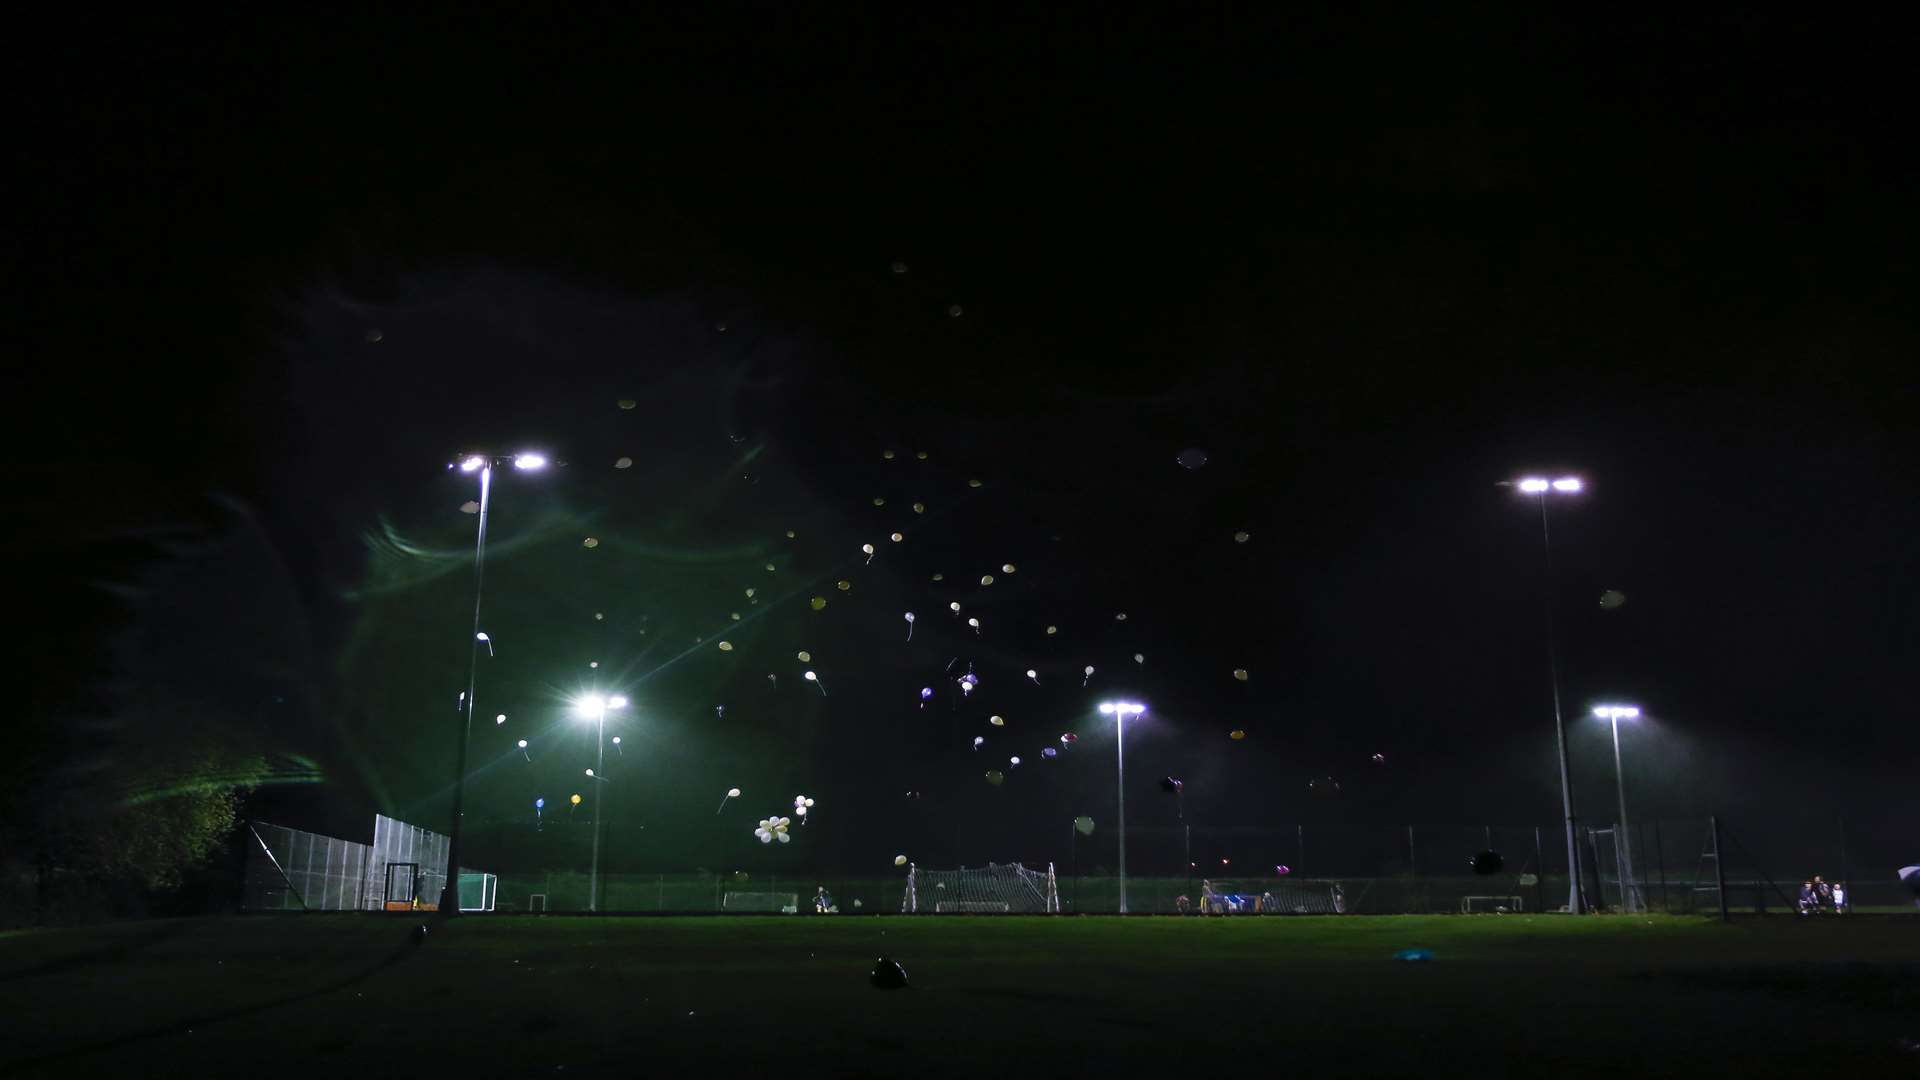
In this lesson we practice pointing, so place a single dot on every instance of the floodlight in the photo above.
(472, 463)
(1534, 485)
(616, 702)
(590, 705)
(1567, 484)
(530, 462)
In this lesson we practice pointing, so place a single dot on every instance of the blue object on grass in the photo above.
(1413, 955)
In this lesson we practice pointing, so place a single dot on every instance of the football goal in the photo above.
(995, 889)
(1281, 898)
(777, 902)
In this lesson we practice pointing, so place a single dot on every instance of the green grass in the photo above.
(343, 995)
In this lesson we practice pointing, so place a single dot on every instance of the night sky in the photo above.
(273, 278)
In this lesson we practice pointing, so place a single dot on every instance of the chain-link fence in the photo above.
(291, 870)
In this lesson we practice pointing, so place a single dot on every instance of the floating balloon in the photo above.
(1171, 786)
(599, 616)
(843, 584)
(523, 744)
(815, 680)
(909, 626)
(1612, 598)
(1242, 536)
(974, 483)
(769, 568)
(1191, 458)
(1049, 753)
(986, 579)
(926, 693)
(1052, 630)
(1240, 673)
(1069, 739)
(1486, 862)
(1237, 734)
(623, 463)
(590, 542)
(939, 577)
(953, 310)
(921, 454)
(1006, 568)
(1014, 760)
(996, 777)
(539, 804)
(790, 534)
(997, 721)
(979, 741)
(1379, 759)
(818, 603)
(1083, 825)
(897, 537)
(627, 403)
(868, 549)
(501, 719)
(1034, 676)
(596, 663)
(975, 623)
(879, 501)
(954, 607)
(919, 508)
(470, 507)
(1089, 675)
(374, 336)
(726, 646)
(887, 455)
(1283, 870)
(1120, 617)
(574, 799)
(899, 268)
(804, 656)
(1910, 877)
(899, 860)
(1139, 658)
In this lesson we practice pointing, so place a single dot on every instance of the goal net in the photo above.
(995, 889)
(781, 903)
(1280, 898)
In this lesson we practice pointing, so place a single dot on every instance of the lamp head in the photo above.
(530, 462)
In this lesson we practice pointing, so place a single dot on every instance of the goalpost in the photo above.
(996, 889)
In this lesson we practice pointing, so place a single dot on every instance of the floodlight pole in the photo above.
(450, 887)
(1630, 888)
(599, 804)
(1120, 765)
(1575, 904)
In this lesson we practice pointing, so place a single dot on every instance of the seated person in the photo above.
(1822, 893)
(823, 901)
(1807, 901)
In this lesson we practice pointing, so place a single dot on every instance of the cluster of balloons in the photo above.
(768, 830)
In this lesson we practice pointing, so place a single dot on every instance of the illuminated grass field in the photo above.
(1066, 996)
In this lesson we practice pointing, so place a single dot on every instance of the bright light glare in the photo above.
(472, 463)
(1124, 708)
(1567, 483)
(616, 702)
(1533, 485)
(616, 740)
(530, 462)
(1616, 712)
(590, 705)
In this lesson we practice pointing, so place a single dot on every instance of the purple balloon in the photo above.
(926, 692)
(1049, 752)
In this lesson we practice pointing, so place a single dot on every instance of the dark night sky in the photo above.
(1370, 267)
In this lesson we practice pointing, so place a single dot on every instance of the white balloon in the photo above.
(899, 860)
(733, 793)
(784, 837)
(766, 838)
(809, 802)
(955, 607)
(1089, 669)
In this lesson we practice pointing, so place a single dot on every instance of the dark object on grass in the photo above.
(1487, 862)
(888, 975)
(1171, 786)
(420, 934)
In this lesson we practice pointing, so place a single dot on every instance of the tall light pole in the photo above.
(1120, 710)
(482, 464)
(596, 707)
(1540, 488)
(1629, 886)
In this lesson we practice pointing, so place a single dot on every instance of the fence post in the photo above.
(1300, 835)
(1413, 860)
(1660, 860)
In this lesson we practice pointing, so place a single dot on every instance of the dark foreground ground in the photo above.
(353, 996)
